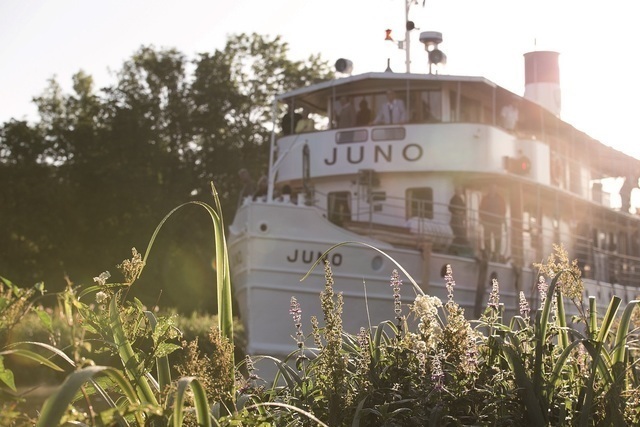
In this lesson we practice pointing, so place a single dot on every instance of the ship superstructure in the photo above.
(392, 186)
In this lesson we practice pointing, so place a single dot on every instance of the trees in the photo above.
(93, 176)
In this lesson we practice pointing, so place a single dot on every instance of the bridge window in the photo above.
(339, 207)
(388, 134)
(419, 202)
(347, 136)
(425, 107)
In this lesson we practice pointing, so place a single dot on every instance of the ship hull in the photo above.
(272, 246)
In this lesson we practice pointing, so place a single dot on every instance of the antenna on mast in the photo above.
(409, 26)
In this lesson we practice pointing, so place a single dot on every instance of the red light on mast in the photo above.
(388, 36)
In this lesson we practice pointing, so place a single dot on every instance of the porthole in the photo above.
(263, 227)
(377, 263)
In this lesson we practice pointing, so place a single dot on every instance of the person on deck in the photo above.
(290, 120)
(347, 113)
(458, 221)
(492, 215)
(392, 111)
(363, 116)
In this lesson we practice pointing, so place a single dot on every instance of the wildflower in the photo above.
(331, 362)
(363, 338)
(132, 268)
(251, 369)
(542, 288)
(422, 363)
(449, 281)
(437, 374)
(426, 305)
(364, 357)
(101, 297)
(426, 309)
(569, 282)
(102, 278)
(494, 297)
(296, 312)
(396, 282)
(524, 307)
(471, 354)
(315, 328)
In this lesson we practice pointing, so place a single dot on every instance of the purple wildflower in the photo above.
(494, 297)
(542, 288)
(449, 281)
(296, 313)
(524, 307)
(396, 283)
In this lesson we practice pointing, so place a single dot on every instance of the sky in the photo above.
(44, 39)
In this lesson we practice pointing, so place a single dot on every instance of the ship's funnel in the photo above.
(542, 80)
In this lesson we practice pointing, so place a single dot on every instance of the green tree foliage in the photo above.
(90, 178)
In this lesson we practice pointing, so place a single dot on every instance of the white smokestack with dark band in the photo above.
(542, 80)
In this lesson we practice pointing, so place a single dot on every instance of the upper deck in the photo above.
(471, 124)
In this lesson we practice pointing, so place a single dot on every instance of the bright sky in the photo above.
(599, 79)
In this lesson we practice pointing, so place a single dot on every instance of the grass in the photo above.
(429, 365)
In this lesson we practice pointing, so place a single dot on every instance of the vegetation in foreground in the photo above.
(428, 365)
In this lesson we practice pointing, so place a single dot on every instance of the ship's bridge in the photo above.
(458, 123)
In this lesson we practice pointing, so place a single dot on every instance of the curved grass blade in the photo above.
(535, 412)
(225, 299)
(127, 355)
(292, 408)
(49, 347)
(541, 335)
(203, 414)
(55, 407)
(560, 362)
(223, 277)
(376, 344)
(223, 284)
(598, 353)
(562, 321)
(593, 317)
(623, 333)
(417, 288)
(31, 355)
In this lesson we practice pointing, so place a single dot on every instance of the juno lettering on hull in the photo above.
(309, 257)
(357, 155)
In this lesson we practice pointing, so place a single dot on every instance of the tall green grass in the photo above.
(427, 365)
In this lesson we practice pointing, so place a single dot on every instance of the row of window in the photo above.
(418, 202)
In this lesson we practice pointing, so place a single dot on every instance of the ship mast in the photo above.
(407, 42)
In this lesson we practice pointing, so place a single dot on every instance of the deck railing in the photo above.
(521, 243)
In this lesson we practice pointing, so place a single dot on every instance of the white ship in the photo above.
(344, 177)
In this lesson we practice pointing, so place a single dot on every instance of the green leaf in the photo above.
(44, 318)
(165, 349)
(6, 376)
(51, 348)
(27, 354)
